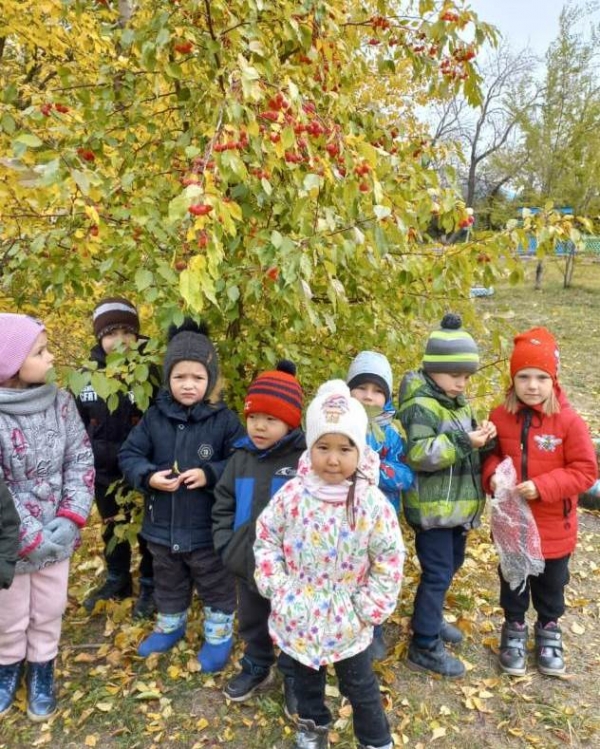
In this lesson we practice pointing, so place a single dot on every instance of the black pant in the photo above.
(118, 556)
(546, 592)
(253, 629)
(441, 553)
(358, 683)
(176, 576)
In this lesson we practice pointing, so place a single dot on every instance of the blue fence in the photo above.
(592, 247)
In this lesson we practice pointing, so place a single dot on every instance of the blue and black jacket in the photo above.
(250, 479)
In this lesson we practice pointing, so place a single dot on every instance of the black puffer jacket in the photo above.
(9, 536)
(107, 429)
(249, 481)
(198, 437)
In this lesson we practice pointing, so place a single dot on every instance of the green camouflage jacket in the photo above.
(447, 490)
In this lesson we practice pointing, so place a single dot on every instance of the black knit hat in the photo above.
(451, 349)
(115, 312)
(190, 342)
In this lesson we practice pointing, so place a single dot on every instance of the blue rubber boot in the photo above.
(170, 628)
(218, 633)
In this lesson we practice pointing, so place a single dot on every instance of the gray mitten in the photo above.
(61, 531)
(46, 549)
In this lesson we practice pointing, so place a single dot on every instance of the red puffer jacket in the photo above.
(557, 454)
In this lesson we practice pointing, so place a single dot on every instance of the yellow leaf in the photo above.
(579, 629)
(438, 733)
(202, 724)
(91, 740)
(105, 707)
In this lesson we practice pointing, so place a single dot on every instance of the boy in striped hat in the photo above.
(446, 498)
(264, 460)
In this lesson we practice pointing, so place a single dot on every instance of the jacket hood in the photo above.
(294, 440)
(418, 384)
(174, 410)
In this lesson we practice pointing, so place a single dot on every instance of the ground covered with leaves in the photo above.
(111, 698)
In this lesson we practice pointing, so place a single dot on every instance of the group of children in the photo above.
(294, 531)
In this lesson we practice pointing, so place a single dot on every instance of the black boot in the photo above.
(549, 649)
(41, 698)
(290, 701)
(378, 648)
(10, 678)
(115, 588)
(250, 679)
(145, 607)
(513, 648)
(311, 736)
(435, 659)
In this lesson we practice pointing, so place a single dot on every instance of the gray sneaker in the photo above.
(549, 649)
(450, 634)
(437, 660)
(513, 648)
(311, 736)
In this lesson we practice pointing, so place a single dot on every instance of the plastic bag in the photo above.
(514, 530)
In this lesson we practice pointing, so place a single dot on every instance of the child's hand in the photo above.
(478, 437)
(162, 481)
(194, 478)
(527, 490)
(490, 429)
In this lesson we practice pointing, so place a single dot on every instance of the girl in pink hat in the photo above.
(47, 464)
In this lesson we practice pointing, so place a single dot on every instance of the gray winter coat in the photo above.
(47, 463)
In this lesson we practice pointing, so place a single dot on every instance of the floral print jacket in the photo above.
(332, 571)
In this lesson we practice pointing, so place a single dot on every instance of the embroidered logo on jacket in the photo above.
(547, 442)
(286, 471)
(205, 452)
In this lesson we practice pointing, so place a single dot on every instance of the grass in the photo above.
(112, 699)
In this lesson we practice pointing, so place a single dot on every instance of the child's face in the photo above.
(334, 458)
(265, 430)
(38, 362)
(369, 394)
(117, 336)
(452, 383)
(188, 382)
(532, 386)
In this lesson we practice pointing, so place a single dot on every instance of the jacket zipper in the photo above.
(524, 443)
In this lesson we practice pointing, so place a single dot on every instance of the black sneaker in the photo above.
(378, 648)
(250, 679)
(290, 703)
(436, 659)
(450, 634)
(113, 589)
(145, 607)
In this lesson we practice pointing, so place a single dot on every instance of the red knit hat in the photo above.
(535, 348)
(277, 393)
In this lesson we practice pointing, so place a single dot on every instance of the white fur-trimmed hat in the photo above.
(334, 411)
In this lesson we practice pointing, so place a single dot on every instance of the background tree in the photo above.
(226, 159)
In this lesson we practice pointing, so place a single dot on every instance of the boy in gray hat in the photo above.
(370, 381)
(175, 456)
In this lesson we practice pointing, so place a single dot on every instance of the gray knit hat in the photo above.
(370, 366)
(451, 349)
(190, 342)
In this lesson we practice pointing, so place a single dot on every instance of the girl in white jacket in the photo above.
(329, 555)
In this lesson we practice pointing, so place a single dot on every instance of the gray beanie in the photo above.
(451, 349)
(370, 366)
(190, 342)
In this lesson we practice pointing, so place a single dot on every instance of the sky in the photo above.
(532, 23)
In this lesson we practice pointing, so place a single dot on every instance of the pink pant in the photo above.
(31, 612)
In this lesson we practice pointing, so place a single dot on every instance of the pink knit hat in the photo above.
(17, 336)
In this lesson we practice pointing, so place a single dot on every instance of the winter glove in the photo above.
(45, 550)
(61, 531)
